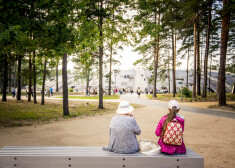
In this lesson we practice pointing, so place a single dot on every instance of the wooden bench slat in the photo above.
(90, 157)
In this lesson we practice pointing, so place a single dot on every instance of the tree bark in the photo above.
(57, 74)
(187, 69)
(43, 82)
(204, 92)
(223, 50)
(34, 79)
(155, 59)
(19, 78)
(65, 86)
(30, 82)
(198, 65)
(15, 78)
(173, 62)
(101, 52)
(5, 79)
(111, 57)
(110, 68)
(169, 77)
(195, 60)
(10, 77)
(87, 79)
(210, 75)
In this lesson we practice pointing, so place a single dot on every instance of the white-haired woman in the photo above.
(123, 130)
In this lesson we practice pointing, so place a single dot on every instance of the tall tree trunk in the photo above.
(155, 59)
(198, 65)
(187, 69)
(169, 77)
(30, 82)
(110, 68)
(173, 63)
(4, 92)
(111, 57)
(43, 82)
(65, 86)
(223, 50)
(1, 71)
(57, 74)
(101, 52)
(87, 80)
(195, 60)
(210, 74)
(204, 92)
(19, 78)
(15, 78)
(10, 77)
(34, 79)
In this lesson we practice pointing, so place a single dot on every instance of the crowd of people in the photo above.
(114, 91)
(91, 91)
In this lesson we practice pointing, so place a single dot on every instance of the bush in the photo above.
(70, 90)
(185, 92)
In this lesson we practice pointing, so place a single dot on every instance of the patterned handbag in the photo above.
(173, 134)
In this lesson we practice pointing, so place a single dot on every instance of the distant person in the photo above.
(45, 92)
(131, 91)
(170, 129)
(123, 130)
(26, 90)
(13, 92)
(51, 91)
(32, 92)
(138, 92)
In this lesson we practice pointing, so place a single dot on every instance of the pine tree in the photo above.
(223, 49)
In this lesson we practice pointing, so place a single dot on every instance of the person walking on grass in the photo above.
(51, 91)
(123, 130)
(170, 130)
(13, 92)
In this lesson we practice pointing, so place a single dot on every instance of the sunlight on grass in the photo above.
(17, 113)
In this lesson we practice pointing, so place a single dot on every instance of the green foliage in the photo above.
(230, 68)
(185, 92)
(70, 90)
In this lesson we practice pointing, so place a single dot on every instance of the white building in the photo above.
(132, 79)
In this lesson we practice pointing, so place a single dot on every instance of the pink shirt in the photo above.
(170, 149)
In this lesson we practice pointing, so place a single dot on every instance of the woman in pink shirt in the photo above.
(173, 107)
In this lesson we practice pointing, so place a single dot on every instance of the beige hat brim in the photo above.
(125, 110)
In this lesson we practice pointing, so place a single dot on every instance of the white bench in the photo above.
(90, 157)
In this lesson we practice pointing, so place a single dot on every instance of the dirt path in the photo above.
(211, 136)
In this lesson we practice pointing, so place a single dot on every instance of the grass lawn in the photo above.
(210, 97)
(92, 97)
(18, 113)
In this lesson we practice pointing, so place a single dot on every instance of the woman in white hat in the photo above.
(123, 130)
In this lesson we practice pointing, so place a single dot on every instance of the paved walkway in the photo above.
(144, 101)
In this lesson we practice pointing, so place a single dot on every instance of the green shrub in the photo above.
(70, 89)
(185, 92)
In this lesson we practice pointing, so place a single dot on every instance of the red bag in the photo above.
(173, 134)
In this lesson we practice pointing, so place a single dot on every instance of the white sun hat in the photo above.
(124, 107)
(173, 103)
